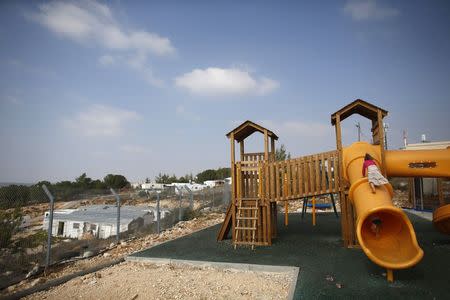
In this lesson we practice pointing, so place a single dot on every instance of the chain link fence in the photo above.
(81, 223)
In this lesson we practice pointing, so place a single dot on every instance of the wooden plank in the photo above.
(317, 173)
(264, 223)
(289, 180)
(295, 178)
(266, 145)
(338, 173)
(301, 177)
(272, 150)
(269, 225)
(272, 181)
(226, 225)
(241, 144)
(266, 182)
(336, 166)
(330, 178)
(311, 175)
(277, 181)
(323, 173)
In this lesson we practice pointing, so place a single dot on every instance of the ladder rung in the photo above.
(244, 243)
(245, 228)
(247, 218)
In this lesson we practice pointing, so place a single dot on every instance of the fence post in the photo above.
(50, 225)
(118, 215)
(158, 213)
(179, 209)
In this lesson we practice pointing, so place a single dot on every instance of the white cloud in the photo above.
(89, 22)
(101, 121)
(218, 81)
(361, 10)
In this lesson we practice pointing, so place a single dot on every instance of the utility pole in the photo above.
(405, 143)
(358, 125)
(386, 127)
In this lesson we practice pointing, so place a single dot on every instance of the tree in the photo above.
(115, 181)
(83, 181)
(162, 178)
(280, 153)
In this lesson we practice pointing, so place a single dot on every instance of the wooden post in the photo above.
(390, 275)
(286, 211)
(272, 149)
(342, 198)
(233, 189)
(381, 138)
(266, 145)
(314, 210)
(241, 144)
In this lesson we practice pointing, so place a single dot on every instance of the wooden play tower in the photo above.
(259, 182)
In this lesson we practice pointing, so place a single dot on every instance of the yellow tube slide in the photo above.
(423, 163)
(418, 163)
(393, 245)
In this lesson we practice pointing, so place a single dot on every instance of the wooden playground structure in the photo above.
(259, 182)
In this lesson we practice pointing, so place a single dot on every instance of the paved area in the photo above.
(327, 270)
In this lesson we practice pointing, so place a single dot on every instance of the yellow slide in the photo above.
(395, 245)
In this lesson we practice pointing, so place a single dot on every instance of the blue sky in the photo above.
(142, 87)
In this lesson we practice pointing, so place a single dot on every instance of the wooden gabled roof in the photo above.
(248, 128)
(361, 107)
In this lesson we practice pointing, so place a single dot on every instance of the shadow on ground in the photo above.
(319, 254)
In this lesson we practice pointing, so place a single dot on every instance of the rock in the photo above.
(339, 285)
(106, 254)
(7, 273)
(33, 271)
(329, 278)
(88, 253)
(123, 243)
(112, 245)
(37, 281)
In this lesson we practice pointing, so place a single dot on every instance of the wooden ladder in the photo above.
(246, 222)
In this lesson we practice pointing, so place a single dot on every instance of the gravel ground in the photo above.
(137, 280)
(123, 249)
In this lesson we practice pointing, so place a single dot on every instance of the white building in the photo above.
(99, 220)
(425, 191)
(152, 186)
(214, 183)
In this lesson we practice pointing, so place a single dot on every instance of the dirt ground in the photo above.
(136, 280)
(119, 251)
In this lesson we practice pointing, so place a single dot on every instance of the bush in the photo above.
(9, 222)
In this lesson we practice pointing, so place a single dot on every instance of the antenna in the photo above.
(358, 125)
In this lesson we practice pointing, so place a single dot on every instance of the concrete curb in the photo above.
(293, 271)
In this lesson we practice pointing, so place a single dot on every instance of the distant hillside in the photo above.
(2, 184)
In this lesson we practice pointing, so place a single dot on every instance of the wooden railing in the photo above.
(291, 179)
(301, 177)
(257, 156)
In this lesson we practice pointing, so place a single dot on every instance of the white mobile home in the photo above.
(98, 220)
